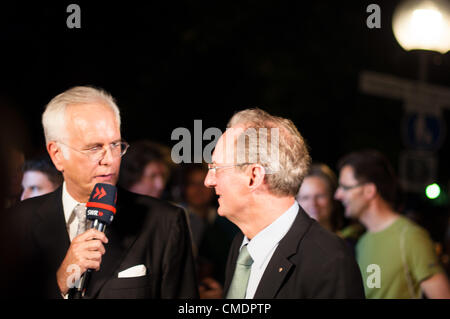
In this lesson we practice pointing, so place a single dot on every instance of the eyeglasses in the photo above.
(347, 188)
(214, 167)
(97, 153)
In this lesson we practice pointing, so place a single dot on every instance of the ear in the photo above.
(257, 174)
(370, 190)
(56, 155)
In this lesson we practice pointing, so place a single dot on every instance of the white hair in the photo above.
(53, 118)
(286, 175)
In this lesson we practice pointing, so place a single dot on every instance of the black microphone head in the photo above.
(102, 203)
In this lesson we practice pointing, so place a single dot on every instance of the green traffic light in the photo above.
(433, 191)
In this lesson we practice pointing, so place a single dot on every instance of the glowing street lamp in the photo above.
(423, 25)
(433, 191)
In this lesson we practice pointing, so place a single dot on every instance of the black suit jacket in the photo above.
(144, 231)
(309, 262)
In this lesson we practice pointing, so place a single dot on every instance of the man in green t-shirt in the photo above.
(396, 256)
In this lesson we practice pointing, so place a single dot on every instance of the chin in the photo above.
(107, 179)
(220, 212)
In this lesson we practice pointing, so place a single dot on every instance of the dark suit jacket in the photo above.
(309, 262)
(145, 231)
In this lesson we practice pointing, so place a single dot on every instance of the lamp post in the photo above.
(423, 25)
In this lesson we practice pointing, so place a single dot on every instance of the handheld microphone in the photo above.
(100, 209)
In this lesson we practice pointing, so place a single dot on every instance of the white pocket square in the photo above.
(135, 271)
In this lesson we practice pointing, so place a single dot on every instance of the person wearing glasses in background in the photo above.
(396, 256)
(145, 252)
(316, 197)
(280, 252)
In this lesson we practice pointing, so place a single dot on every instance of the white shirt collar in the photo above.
(69, 203)
(262, 245)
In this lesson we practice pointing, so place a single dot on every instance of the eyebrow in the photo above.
(91, 145)
(101, 144)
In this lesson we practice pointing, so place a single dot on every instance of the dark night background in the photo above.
(170, 62)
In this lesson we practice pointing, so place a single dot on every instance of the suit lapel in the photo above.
(50, 230)
(280, 264)
(120, 239)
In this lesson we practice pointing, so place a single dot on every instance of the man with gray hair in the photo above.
(144, 253)
(257, 169)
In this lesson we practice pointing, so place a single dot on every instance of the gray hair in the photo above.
(285, 176)
(53, 118)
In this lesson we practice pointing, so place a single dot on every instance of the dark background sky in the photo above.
(170, 62)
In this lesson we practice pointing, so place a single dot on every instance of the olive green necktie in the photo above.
(238, 287)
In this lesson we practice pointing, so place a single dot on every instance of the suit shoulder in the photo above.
(325, 242)
(316, 239)
(31, 204)
(152, 205)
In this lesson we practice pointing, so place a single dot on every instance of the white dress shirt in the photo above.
(263, 245)
(69, 204)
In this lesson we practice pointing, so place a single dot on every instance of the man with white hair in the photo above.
(144, 253)
(257, 168)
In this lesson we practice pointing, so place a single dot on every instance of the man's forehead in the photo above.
(225, 147)
(91, 121)
(347, 172)
(231, 133)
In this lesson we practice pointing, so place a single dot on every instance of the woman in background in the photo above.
(316, 197)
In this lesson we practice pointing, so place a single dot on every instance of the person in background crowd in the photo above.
(9, 250)
(316, 196)
(39, 177)
(13, 144)
(146, 169)
(212, 234)
(15, 140)
(15, 162)
(396, 256)
(446, 249)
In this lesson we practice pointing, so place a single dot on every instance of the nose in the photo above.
(310, 203)
(338, 194)
(107, 158)
(315, 202)
(25, 194)
(210, 180)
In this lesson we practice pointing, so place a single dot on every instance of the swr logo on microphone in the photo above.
(94, 212)
(99, 192)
